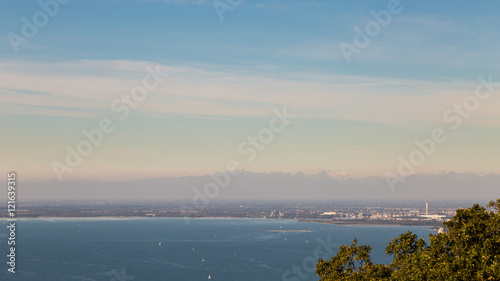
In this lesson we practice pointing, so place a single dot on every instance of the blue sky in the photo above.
(456, 36)
(227, 76)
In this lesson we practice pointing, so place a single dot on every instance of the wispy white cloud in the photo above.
(88, 87)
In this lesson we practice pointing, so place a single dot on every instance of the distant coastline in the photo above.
(137, 217)
(432, 224)
(435, 225)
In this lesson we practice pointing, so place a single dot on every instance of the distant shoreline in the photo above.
(139, 217)
(434, 225)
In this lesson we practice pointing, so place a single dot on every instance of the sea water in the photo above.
(182, 249)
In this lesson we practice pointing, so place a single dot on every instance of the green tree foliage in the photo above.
(468, 251)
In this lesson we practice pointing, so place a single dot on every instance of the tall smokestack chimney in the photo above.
(426, 209)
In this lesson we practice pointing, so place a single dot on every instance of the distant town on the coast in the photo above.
(343, 212)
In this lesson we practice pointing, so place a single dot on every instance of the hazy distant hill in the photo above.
(274, 186)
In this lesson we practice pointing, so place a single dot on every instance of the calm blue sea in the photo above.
(190, 250)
